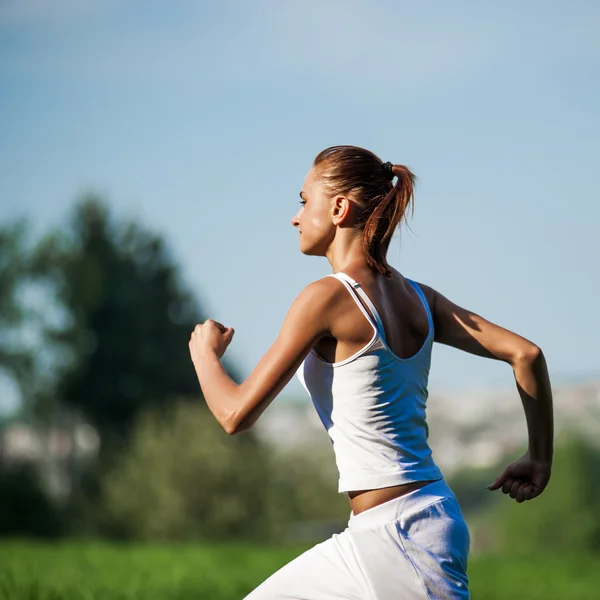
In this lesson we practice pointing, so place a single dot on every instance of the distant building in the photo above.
(56, 450)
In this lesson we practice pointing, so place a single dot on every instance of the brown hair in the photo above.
(361, 175)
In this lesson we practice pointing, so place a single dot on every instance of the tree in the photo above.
(16, 361)
(129, 318)
(15, 358)
(183, 478)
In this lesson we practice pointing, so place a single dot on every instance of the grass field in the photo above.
(97, 571)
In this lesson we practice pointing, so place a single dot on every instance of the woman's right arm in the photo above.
(467, 331)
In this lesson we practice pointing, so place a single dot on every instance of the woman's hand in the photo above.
(211, 338)
(524, 479)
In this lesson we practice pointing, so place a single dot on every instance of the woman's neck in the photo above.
(345, 250)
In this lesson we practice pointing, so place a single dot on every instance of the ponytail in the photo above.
(385, 217)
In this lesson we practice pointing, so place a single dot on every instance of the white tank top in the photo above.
(372, 404)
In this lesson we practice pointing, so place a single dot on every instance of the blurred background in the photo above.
(151, 156)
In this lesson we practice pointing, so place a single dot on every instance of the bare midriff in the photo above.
(362, 500)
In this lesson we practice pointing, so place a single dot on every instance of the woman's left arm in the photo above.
(237, 407)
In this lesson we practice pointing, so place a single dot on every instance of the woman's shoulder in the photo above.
(427, 290)
(324, 291)
(319, 301)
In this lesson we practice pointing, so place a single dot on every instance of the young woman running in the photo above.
(360, 341)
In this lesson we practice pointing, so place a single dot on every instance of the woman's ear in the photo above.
(342, 211)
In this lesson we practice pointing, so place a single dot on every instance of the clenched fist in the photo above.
(209, 338)
(524, 479)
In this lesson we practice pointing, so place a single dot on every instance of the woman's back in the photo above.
(372, 401)
(405, 321)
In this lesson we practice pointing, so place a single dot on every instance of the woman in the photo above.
(360, 341)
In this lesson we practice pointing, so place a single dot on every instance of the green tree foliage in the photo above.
(470, 487)
(15, 359)
(129, 318)
(25, 509)
(182, 477)
(565, 517)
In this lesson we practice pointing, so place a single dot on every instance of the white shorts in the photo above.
(415, 546)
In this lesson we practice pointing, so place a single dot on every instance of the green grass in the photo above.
(540, 577)
(94, 571)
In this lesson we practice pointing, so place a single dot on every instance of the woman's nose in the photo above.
(295, 221)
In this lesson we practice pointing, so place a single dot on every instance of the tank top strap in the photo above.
(357, 292)
(421, 295)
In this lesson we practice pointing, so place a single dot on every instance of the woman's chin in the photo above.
(310, 251)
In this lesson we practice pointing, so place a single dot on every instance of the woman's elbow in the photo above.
(230, 423)
(527, 354)
(234, 424)
(229, 428)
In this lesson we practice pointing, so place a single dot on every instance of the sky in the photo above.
(201, 119)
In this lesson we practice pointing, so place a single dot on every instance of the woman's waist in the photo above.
(403, 505)
(363, 500)
(398, 477)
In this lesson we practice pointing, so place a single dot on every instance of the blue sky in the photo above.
(201, 119)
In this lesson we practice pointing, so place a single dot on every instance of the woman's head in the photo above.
(364, 180)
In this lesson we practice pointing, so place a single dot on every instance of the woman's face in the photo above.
(314, 219)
